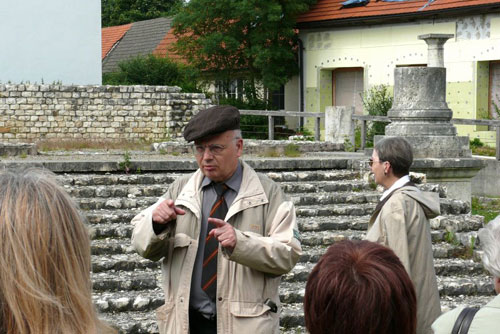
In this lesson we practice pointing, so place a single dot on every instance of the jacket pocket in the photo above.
(166, 318)
(253, 315)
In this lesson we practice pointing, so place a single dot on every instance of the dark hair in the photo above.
(397, 151)
(360, 287)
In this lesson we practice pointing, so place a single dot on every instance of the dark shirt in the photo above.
(198, 299)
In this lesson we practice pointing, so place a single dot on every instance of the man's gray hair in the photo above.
(489, 237)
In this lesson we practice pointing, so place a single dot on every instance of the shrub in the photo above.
(153, 70)
(252, 126)
(377, 101)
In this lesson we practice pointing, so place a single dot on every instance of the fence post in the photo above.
(363, 134)
(317, 131)
(271, 127)
(498, 143)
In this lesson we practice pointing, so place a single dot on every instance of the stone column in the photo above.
(435, 49)
(421, 115)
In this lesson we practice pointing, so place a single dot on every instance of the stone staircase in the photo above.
(332, 205)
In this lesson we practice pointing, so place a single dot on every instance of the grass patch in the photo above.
(292, 151)
(484, 150)
(47, 145)
(489, 208)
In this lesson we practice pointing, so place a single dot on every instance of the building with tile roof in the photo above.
(120, 43)
(348, 49)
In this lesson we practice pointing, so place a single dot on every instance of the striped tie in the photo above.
(209, 274)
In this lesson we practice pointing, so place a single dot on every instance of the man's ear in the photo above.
(239, 146)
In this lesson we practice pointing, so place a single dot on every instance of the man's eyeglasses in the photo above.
(371, 161)
(214, 149)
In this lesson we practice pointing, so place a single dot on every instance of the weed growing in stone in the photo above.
(451, 238)
(126, 164)
(292, 151)
(489, 208)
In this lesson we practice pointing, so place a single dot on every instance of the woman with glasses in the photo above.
(401, 222)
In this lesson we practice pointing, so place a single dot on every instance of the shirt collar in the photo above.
(398, 184)
(234, 181)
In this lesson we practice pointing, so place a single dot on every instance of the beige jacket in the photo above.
(403, 225)
(486, 320)
(267, 247)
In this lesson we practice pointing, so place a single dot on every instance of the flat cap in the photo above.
(211, 121)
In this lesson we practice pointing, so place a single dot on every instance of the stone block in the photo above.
(338, 124)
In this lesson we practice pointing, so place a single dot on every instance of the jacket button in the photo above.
(220, 299)
(182, 299)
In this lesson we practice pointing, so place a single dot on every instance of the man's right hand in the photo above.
(166, 211)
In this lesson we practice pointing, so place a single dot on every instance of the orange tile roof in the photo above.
(164, 49)
(110, 36)
(330, 10)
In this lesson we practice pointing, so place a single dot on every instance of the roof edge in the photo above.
(398, 18)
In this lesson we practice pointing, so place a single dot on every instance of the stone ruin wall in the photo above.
(32, 112)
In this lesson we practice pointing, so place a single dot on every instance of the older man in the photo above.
(226, 234)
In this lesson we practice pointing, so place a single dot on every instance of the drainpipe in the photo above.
(301, 82)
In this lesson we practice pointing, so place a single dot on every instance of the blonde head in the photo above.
(45, 284)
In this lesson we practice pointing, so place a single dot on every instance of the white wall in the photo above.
(50, 41)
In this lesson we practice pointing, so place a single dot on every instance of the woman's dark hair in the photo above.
(397, 151)
(360, 287)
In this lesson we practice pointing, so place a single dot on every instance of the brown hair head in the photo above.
(359, 287)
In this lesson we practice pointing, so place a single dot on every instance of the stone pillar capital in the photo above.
(435, 44)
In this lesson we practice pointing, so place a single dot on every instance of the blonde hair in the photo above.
(45, 284)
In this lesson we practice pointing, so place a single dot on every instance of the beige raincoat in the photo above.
(403, 225)
(267, 247)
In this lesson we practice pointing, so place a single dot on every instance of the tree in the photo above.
(153, 70)
(251, 39)
(116, 12)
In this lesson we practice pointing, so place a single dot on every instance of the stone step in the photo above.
(138, 203)
(293, 292)
(109, 216)
(326, 186)
(470, 285)
(144, 321)
(116, 230)
(116, 224)
(314, 175)
(122, 262)
(110, 246)
(335, 210)
(109, 179)
(126, 280)
(455, 223)
(130, 262)
(132, 322)
(292, 316)
(167, 178)
(128, 301)
(443, 267)
(327, 198)
(110, 191)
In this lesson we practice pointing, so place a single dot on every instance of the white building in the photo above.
(50, 41)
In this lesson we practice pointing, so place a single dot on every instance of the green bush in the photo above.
(476, 143)
(153, 70)
(377, 101)
(252, 126)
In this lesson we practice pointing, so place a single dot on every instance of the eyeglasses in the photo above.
(371, 161)
(214, 149)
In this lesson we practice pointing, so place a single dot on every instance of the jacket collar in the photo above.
(251, 192)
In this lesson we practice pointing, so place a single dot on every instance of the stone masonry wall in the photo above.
(33, 112)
